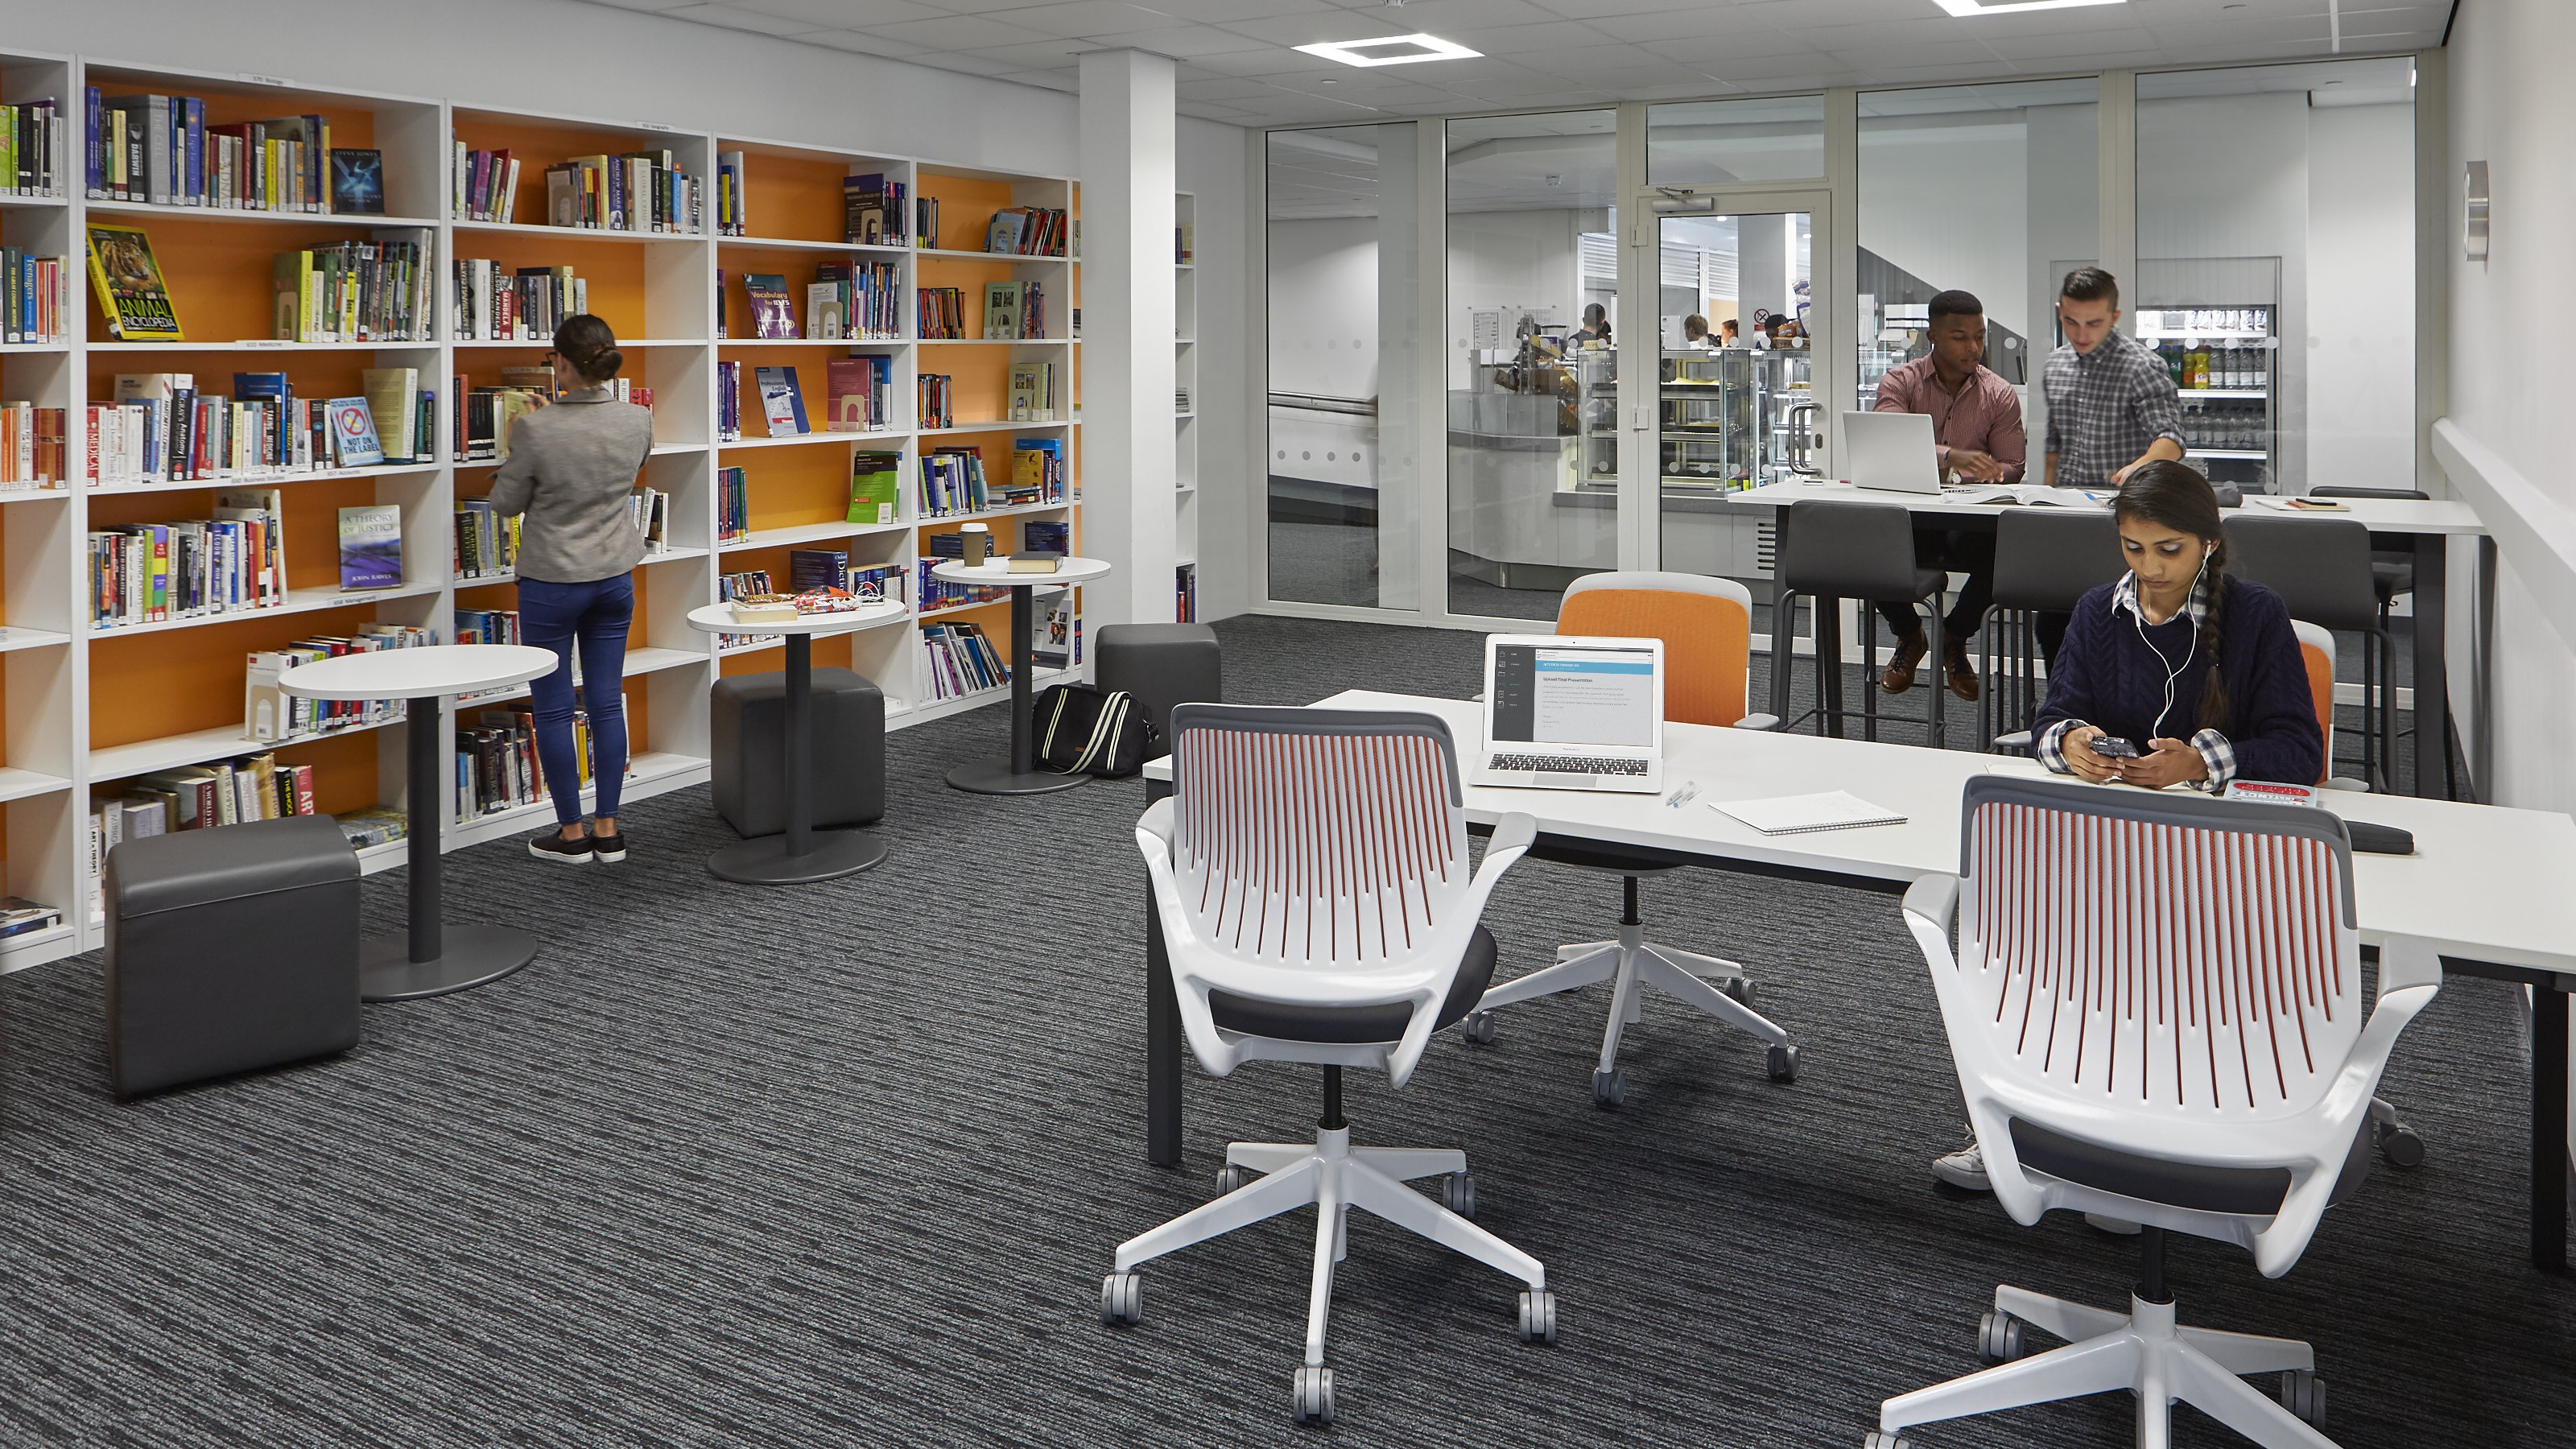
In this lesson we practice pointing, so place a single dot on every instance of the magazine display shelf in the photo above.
(87, 709)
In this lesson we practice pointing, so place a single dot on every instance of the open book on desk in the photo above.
(2027, 495)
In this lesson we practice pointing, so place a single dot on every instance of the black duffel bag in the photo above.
(1087, 731)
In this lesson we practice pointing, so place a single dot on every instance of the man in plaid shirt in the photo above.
(2112, 407)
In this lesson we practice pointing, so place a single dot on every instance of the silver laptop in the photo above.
(1891, 451)
(1564, 712)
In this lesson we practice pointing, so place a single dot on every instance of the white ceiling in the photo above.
(1237, 65)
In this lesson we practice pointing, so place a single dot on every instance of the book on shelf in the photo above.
(262, 542)
(869, 294)
(941, 314)
(1043, 535)
(1002, 309)
(925, 221)
(524, 305)
(354, 443)
(782, 402)
(20, 916)
(35, 295)
(731, 219)
(488, 626)
(961, 660)
(1185, 594)
(638, 191)
(200, 797)
(485, 415)
(728, 402)
(733, 504)
(748, 583)
(357, 181)
(817, 568)
(128, 282)
(952, 482)
(32, 147)
(1029, 231)
(1032, 392)
(371, 547)
(876, 486)
(496, 760)
(147, 573)
(393, 405)
(160, 428)
(374, 825)
(872, 210)
(31, 447)
(933, 396)
(1038, 472)
(370, 291)
(487, 544)
(1182, 240)
(269, 715)
(858, 394)
(827, 317)
(484, 185)
(1059, 640)
(650, 511)
(773, 313)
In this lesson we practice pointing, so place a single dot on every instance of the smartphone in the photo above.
(2112, 748)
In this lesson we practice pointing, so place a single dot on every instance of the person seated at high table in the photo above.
(2200, 671)
(1976, 432)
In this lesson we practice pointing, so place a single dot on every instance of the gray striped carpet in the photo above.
(843, 1165)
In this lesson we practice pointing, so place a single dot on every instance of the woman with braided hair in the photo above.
(2199, 672)
(571, 470)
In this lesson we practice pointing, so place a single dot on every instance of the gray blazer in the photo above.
(571, 468)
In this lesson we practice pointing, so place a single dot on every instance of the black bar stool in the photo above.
(2392, 577)
(2321, 568)
(1830, 551)
(2045, 560)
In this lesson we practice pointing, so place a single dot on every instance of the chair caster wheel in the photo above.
(1884, 1441)
(1538, 1315)
(1999, 1338)
(1229, 1178)
(1314, 1395)
(1458, 1193)
(2304, 1394)
(1480, 1028)
(1609, 1088)
(1122, 1298)
(2401, 1146)
(1738, 990)
(1782, 1062)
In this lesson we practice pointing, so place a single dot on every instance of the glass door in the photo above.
(1737, 394)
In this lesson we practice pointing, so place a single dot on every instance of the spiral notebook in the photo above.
(1800, 814)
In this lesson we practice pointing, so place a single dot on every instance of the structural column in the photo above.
(1129, 322)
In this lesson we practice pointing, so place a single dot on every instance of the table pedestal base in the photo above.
(763, 860)
(1002, 780)
(469, 956)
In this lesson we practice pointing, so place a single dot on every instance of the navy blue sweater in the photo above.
(2106, 675)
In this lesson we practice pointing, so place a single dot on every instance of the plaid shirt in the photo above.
(2105, 407)
(2215, 752)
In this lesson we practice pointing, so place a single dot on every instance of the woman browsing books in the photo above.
(570, 469)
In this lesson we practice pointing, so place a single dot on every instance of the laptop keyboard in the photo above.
(1567, 765)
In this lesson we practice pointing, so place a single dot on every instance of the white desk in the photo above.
(2485, 882)
(800, 855)
(430, 961)
(2425, 526)
(1018, 775)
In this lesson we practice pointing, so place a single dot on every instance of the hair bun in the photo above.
(606, 362)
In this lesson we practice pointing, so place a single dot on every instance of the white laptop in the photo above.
(1569, 713)
(1891, 451)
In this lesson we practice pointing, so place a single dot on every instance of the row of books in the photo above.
(858, 393)
(488, 626)
(846, 301)
(31, 446)
(161, 429)
(642, 191)
(1029, 231)
(733, 504)
(743, 583)
(487, 544)
(960, 660)
(370, 291)
(941, 314)
(1185, 594)
(159, 149)
(829, 568)
(952, 482)
(496, 761)
(483, 415)
(934, 399)
(31, 150)
(272, 716)
(202, 797)
(1014, 310)
(872, 210)
(649, 509)
(143, 573)
(35, 293)
(522, 306)
(1183, 251)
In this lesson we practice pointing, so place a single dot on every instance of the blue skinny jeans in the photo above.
(596, 615)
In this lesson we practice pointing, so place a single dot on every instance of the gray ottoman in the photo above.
(1161, 665)
(750, 728)
(229, 950)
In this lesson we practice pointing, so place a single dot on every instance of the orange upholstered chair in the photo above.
(2317, 648)
(1707, 628)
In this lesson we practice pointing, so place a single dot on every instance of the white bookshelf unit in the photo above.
(1185, 401)
(86, 709)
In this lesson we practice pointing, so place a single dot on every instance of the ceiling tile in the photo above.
(857, 44)
(646, 5)
(730, 18)
(1228, 89)
(957, 32)
(1533, 39)
(2086, 43)
(1086, 18)
(1067, 79)
(1873, 58)
(1440, 17)
(1593, 62)
(1183, 42)
(1309, 29)
(1029, 55)
(1754, 37)
(2311, 29)
(1594, 9)
(1224, 12)
(842, 14)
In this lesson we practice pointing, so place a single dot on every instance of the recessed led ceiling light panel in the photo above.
(1394, 50)
(2007, 7)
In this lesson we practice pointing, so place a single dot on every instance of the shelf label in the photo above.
(257, 79)
(655, 126)
(262, 344)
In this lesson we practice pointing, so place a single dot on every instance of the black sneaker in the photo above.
(609, 847)
(552, 846)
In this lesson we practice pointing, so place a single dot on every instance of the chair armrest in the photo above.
(1758, 722)
(1157, 821)
(1934, 900)
(2408, 961)
(2017, 740)
(1514, 832)
(2338, 782)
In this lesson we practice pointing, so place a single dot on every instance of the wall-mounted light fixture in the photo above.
(2473, 222)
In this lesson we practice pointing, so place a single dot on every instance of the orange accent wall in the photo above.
(966, 207)
(174, 681)
(312, 521)
(222, 274)
(795, 197)
(791, 486)
(537, 145)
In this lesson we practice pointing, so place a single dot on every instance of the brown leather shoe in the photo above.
(1899, 675)
(1963, 676)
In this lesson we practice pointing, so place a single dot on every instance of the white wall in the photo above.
(1513, 259)
(590, 60)
(2361, 296)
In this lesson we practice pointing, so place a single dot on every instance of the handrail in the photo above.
(2534, 533)
(1365, 407)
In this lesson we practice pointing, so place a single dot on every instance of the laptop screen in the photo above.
(1562, 695)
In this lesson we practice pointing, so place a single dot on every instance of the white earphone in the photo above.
(2173, 671)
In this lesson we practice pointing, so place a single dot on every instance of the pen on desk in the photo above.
(1683, 796)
